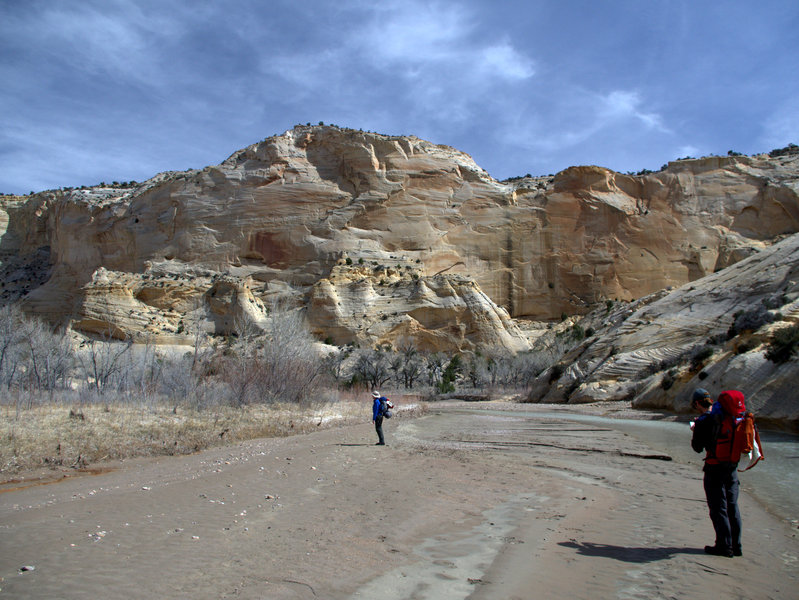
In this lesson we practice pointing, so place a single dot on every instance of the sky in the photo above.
(120, 90)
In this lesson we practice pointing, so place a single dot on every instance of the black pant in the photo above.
(379, 430)
(721, 491)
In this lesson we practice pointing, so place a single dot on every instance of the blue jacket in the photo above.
(376, 412)
(706, 430)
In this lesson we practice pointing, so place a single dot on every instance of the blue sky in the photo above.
(115, 90)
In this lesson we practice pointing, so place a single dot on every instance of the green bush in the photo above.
(668, 380)
(749, 320)
(783, 344)
(745, 347)
(454, 368)
(699, 356)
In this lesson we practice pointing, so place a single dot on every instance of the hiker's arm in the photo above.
(704, 433)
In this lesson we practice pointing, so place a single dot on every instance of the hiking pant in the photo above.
(721, 491)
(379, 430)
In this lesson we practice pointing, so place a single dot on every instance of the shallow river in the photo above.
(773, 482)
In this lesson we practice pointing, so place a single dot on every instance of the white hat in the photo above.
(375, 394)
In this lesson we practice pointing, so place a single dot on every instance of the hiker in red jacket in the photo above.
(712, 433)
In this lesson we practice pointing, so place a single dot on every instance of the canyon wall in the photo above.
(382, 238)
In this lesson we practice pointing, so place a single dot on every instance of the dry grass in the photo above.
(59, 436)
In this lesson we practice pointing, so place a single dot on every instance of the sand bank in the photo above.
(461, 503)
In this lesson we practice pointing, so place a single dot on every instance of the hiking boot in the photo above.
(737, 552)
(718, 551)
(380, 444)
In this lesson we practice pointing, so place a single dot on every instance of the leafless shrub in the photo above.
(103, 361)
(47, 353)
(10, 337)
(406, 364)
(435, 368)
(280, 365)
(335, 363)
(372, 368)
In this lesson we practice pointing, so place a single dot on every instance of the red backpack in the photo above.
(738, 435)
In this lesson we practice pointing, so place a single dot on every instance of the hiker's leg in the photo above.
(733, 511)
(716, 495)
(379, 430)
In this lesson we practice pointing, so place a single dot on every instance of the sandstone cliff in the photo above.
(383, 238)
(656, 351)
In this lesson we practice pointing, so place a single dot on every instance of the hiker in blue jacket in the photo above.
(377, 417)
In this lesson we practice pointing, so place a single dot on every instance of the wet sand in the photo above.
(462, 503)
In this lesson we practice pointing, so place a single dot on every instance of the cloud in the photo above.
(688, 150)
(621, 104)
(428, 62)
(124, 43)
(505, 62)
(441, 38)
(415, 32)
(574, 116)
(520, 86)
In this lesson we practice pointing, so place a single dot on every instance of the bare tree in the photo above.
(195, 328)
(411, 363)
(336, 361)
(280, 365)
(103, 360)
(291, 369)
(435, 368)
(372, 367)
(247, 334)
(10, 337)
(48, 355)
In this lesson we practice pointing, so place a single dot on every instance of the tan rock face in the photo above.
(639, 347)
(285, 212)
(391, 304)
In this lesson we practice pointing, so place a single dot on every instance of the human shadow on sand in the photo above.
(354, 444)
(627, 554)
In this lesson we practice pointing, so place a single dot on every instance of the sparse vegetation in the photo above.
(451, 373)
(786, 151)
(669, 377)
(783, 344)
(52, 434)
(749, 320)
(700, 355)
(43, 375)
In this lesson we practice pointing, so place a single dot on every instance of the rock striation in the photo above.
(656, 351)
(383, 238)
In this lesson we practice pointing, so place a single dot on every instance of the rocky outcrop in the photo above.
(656, 351)
(393, 304)
(280, 216)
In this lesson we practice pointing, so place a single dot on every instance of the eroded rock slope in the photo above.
(381, 238)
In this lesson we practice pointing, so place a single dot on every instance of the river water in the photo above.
(773, 482)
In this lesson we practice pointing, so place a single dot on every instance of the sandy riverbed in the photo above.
(461, 503)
